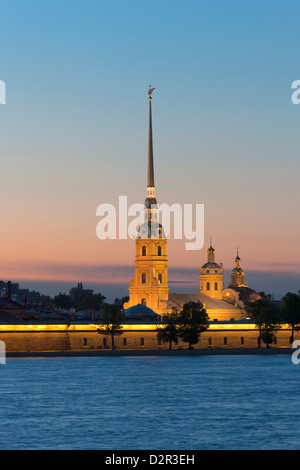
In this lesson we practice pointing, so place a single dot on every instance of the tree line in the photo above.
(268, 317)
(191, 320)
(186, 324)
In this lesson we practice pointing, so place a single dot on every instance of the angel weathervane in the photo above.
(151, 90)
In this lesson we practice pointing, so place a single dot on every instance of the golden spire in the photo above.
(150, 182)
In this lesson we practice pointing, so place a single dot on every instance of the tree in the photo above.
(111, 323)
(266, 317)
(63, 301)
(263, 295)
(290, 312)
(170, 331)
(193, 320)
(254, 309)
(270, 322)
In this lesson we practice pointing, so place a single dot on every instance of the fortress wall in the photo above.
(78, 340)
(226, 316)
(35, 342)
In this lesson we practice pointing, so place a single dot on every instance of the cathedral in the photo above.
(149, 291)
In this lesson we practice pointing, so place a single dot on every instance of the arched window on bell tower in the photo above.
(144, 279)
(159, 251)
(144, 302)
(144, 251)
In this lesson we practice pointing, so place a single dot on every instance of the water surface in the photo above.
(152, 403)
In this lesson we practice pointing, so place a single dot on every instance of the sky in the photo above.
(74, 135)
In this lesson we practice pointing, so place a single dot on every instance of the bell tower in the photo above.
(238, 275)
(211, 276)
(149, 286)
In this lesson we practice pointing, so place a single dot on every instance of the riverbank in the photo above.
(147, 353)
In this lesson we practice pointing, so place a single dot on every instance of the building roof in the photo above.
(139, 309)
(211, 266)
(237, 271)
(222, 306)
(246, 294)
(140, 312)
(9, 304)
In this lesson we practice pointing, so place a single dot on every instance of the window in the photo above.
(242, 341)
(144, 278)
(160, 278)
(216, 286)
(142, 342)
(159, 342)
(210, 341)
(144, 251)
(144, 302)
(124, 341)
(225, 342)
(208, 286)
(275, 340)
(159, 251)
(104, 342)
(85, 342)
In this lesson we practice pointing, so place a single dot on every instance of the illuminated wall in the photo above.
(59, 338)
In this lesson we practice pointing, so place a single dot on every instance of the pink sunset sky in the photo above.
(74, 136)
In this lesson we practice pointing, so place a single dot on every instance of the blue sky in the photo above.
(74, 130)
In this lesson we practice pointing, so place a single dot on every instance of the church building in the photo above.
(149, 286)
